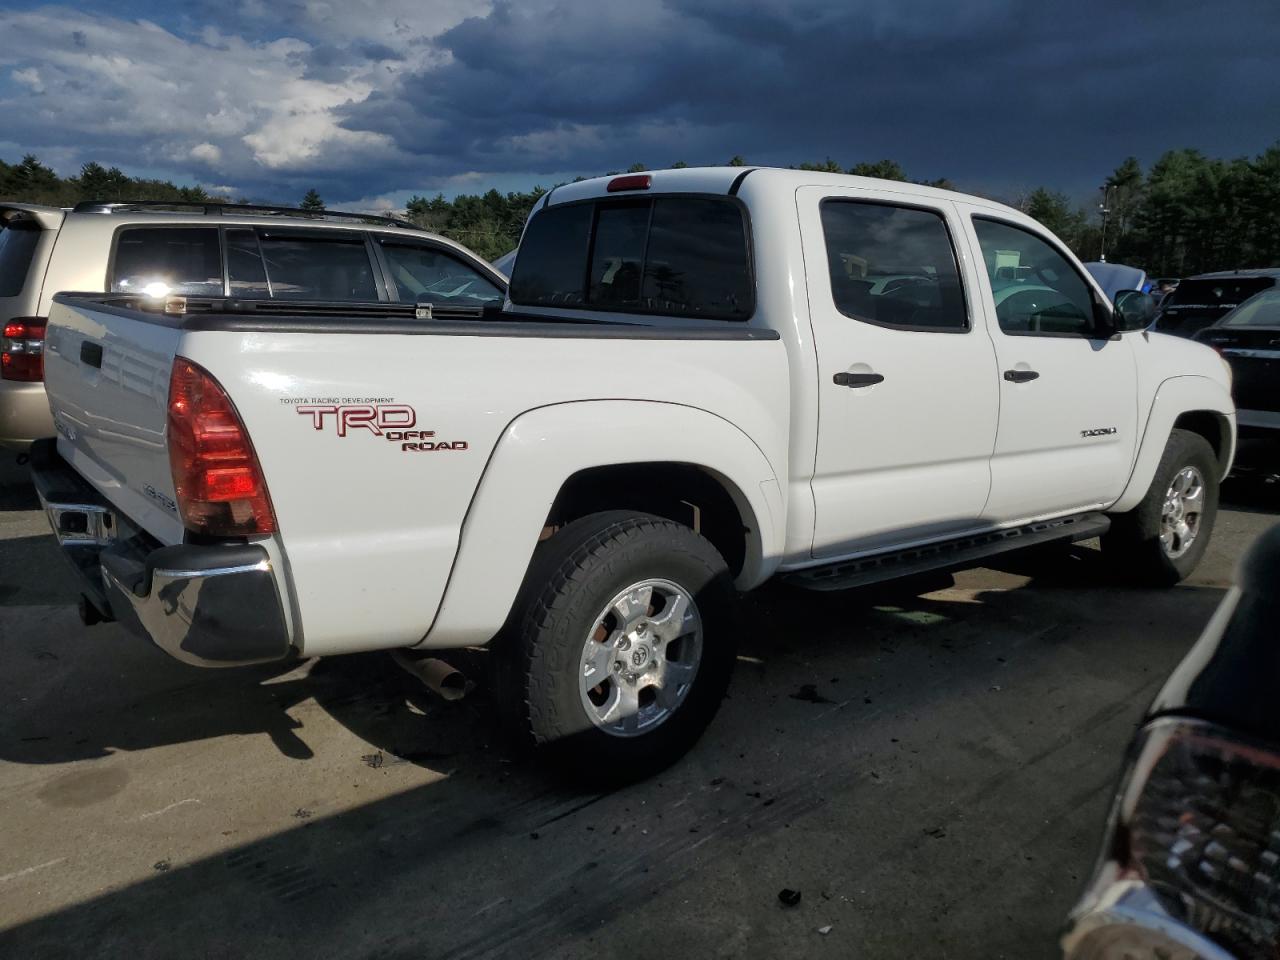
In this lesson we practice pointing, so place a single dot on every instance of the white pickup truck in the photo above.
(701, 379)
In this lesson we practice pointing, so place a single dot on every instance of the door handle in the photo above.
(1020, 376)
(91, 353)
(857, 379)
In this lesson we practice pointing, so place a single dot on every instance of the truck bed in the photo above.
(374, 428)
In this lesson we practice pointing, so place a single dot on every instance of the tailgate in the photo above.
(107, 374)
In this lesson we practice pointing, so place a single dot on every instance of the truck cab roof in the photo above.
(734, 180)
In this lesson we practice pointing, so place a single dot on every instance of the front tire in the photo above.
(1161, 540)
(623, 633)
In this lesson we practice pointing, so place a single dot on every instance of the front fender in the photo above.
(541, 449)
(1173, 398)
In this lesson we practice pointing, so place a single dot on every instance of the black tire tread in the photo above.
(559, 570)
(1132, 544)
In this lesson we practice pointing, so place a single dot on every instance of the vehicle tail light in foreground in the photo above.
(22, 349)
(220, 488)
(1199, 822)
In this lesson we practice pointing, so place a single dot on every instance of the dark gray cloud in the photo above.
(986, 93)
(367, 98)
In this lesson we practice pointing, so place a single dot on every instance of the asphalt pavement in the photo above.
(929, 772)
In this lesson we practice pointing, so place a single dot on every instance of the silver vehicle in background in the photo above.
(204, 249)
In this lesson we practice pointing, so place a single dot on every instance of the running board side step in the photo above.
(947, 555)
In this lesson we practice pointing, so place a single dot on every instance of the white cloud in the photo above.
(29, 78)
(215, 103)
(206, 152)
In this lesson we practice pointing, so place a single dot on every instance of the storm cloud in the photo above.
(365, 99)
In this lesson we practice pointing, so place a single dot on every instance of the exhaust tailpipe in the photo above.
(438, 676)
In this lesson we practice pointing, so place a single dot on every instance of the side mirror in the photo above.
(1134, 310)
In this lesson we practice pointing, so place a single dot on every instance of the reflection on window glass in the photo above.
(163, 260)
(1262, 310)
(552, 263)
(318, 266)
(245, 269)
(617, 255)
(697, 260)
(1199, 302)
(17, 244)
(429, 273)
(670, 256)
(892, 266)
(1036, 290)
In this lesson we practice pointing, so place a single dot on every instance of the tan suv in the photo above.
(204, 249)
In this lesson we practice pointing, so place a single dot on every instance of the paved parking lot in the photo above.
(930, 772)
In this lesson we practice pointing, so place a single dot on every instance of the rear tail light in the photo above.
(1199, 822)
(22, 349)
(220, 488)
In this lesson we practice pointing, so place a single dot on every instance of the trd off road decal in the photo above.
(380, 416)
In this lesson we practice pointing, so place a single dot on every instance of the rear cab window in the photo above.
(18, 239)
(676, 256)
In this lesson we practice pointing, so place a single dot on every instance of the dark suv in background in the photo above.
(1201, 301)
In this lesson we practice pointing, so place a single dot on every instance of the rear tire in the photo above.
(620, 647)
(1160, 541)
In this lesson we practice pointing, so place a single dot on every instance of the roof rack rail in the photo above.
(215, 208)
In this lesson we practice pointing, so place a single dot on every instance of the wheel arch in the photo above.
(560, 462)
(1198, 404)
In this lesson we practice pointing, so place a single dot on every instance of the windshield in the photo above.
(1262, 310)
(1199, 302)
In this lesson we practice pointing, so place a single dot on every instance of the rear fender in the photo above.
(541, 449)
(1174, 397)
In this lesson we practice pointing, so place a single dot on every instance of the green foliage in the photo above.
(489, 224)
(884, 169)
(312, 201)
(30, 181)
(827, 166)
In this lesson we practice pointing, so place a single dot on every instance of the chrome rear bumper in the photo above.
(212, 605)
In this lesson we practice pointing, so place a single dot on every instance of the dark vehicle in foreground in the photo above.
(1202, 301)
(1190, 865)
(1249, 340)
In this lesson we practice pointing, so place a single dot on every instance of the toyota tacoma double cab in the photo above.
(701, 379)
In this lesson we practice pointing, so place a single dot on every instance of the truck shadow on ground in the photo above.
(151, 704)
(549, 865)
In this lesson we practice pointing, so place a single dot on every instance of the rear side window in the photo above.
(893, 266)
(671, 256)
(162, 260)
(315, 265)
(18, 240)
(245, 269)
(421, 271)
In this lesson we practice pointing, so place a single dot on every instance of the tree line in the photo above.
(1187, 214)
